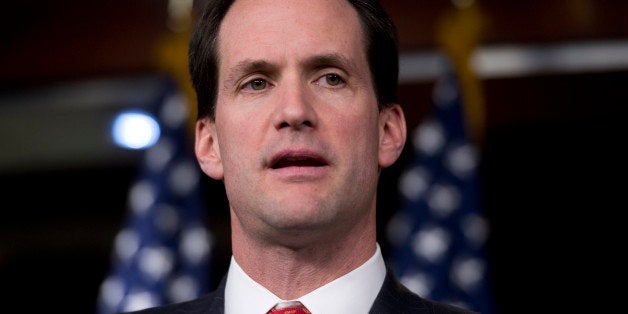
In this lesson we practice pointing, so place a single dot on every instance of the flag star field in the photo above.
(161, 254)
(439, 234)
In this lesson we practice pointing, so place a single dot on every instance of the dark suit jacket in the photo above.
(392, 298)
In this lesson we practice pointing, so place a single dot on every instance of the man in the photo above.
(297, 116)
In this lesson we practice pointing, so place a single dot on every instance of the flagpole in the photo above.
(458, 34)
(171, 51)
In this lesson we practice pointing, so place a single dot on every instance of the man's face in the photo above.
(297, 128)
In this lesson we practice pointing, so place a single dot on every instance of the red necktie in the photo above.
(290, 307)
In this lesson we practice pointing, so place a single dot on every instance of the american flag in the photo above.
(161, 254)
(438, 236)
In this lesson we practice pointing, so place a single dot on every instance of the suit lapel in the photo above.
(217, 298)
(395, 298)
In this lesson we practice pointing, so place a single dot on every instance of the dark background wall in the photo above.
(551, 166)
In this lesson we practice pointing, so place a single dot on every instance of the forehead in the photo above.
(267, 29)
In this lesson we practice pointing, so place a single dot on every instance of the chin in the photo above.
(302, 219)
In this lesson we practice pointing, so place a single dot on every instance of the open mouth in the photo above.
(297, 160)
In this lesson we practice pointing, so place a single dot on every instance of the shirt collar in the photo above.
(354, 292)
(245, 295)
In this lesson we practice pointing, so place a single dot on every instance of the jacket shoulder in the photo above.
(396, 298)
(211, 303)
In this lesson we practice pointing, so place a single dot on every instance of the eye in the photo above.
(255, 84)
(331, 79)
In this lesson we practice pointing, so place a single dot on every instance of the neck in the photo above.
(291, 271)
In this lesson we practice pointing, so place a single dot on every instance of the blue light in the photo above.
(135, 130)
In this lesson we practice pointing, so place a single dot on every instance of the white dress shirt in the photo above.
(353, 293)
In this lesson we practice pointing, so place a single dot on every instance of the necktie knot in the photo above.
(289, 307)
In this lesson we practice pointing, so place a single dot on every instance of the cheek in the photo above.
(359, 134)
(234, 145)
(233, 141)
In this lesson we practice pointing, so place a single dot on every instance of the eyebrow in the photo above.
(329, 60)
(246, 66)
(314, 62)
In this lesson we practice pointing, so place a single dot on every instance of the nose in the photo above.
(295, 108)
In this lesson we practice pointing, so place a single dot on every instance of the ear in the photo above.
(392, 134)
(207, 149)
